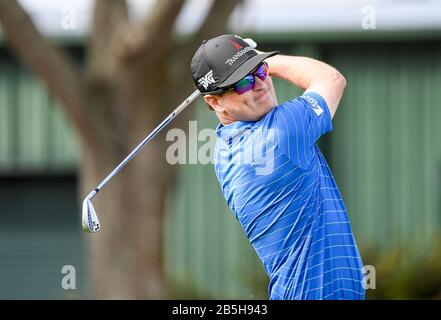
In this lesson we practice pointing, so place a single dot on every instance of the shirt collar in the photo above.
(231, 131)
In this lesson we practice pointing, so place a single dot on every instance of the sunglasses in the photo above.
(248, 82)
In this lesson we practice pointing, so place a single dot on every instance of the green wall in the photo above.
(34, 135)
(39, 235)
(386, 147)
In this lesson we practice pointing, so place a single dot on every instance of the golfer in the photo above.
(271, 171)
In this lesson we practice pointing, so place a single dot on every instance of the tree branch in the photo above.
(152, 39)
(49, 63)
(110, 16)
(216, 21)
(160, 22)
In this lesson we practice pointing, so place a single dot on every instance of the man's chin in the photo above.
(270, 107)
(267, 109)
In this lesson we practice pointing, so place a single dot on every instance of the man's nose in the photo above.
(259, 84)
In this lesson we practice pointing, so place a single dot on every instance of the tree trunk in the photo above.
(126, 254)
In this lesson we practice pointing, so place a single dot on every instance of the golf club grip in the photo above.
(166, 121)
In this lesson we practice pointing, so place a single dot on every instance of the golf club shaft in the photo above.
(166, 121)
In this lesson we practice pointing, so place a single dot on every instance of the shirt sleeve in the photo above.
(299, 123)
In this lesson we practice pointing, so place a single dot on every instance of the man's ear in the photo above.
(214, 102)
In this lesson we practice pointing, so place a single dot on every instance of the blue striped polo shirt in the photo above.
(280, 188)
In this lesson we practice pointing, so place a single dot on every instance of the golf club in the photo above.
(90, 220)
(89, 217)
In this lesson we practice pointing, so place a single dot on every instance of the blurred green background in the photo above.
(384, 152)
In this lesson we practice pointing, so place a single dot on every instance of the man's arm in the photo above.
(310, 75)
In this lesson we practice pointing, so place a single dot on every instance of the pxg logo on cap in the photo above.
(206, 80)
(222, 61)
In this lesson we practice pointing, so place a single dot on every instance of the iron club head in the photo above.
(89, 217)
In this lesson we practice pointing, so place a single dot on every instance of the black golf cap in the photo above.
(222, 61)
